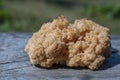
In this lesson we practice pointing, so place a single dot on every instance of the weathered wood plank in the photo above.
(15, 65)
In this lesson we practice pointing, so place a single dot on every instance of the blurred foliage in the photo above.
(107, 11)
(62, 3)
(4, 16)
(29, 15)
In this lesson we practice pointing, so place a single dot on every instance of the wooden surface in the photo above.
(15, 65)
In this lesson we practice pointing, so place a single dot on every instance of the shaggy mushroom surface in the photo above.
(81, 44)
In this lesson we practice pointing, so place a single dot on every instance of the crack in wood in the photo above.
(13, 69)
(12, 62)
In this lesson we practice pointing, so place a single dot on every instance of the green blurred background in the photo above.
(29, 15)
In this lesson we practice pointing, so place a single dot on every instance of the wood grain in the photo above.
(15, 65)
